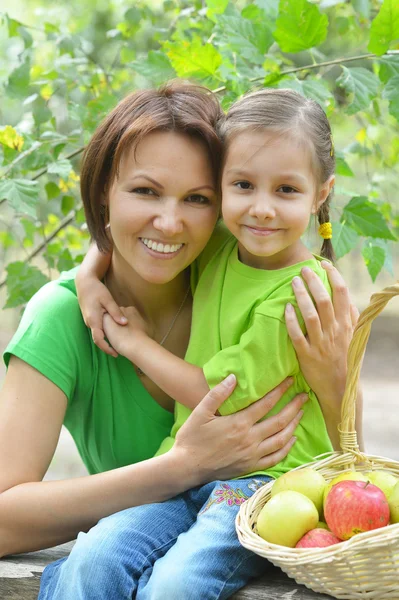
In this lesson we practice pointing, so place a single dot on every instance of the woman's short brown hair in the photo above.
(176, 106)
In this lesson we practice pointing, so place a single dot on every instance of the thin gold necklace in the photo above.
(165, 337)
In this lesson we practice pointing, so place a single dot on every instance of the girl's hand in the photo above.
(225, 447)
(122, 339)
(322, 353)
(95, 301)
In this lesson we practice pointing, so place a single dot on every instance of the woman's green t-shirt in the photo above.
(111, 416)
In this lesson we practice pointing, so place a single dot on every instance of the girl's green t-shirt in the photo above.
(111, 416)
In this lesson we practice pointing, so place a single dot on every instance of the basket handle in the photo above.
(378, 301)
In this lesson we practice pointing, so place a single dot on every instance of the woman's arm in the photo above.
(94, 298)
(322, 354)
(36, 514)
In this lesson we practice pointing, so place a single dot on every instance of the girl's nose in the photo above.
(169, 221)
(262, 208)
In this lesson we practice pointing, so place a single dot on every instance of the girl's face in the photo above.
(269, 192)
(163, 205)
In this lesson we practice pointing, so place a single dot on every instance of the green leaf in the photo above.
(300, 26)
(40, 111)
(341, 166)
(250, 40)
(390, 92)
(362, 7)
(389, 67)
(156, 68)
(361, 84)
(65, 261)
(62, 168)
(193, 59)
(215, 7)
(67, 204)
(374, 258)
(18, 81)
(385, 27)
(315, 89)
(22, 194)
(16, 29)
(344, 239)
(23, 281)
(366, 219)
(52, 190)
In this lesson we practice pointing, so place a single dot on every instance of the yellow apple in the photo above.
(393, 503)
(383, 480)
(350, 476)
(286, 518)
(307, 481)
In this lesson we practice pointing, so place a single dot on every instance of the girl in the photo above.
(278, 170)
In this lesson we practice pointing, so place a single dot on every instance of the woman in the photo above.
(57, 375)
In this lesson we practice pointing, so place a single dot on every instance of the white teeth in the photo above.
(162, 248)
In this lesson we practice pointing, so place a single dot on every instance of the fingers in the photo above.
(259, 409)
(99, 340)
(340, 292)
(295, 332)
(320, 295)
(116, 313)
(273, 459)
(217, 395)
(354, 315)
(308, 310)
(264, 430)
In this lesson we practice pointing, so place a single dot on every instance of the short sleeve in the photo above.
(260, 361)
(53, 338)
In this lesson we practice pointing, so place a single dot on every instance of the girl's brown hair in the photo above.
(176, 106)
(286, 111)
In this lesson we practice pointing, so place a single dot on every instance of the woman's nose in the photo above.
(169, 221)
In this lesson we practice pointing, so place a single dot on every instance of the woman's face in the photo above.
(163, 205)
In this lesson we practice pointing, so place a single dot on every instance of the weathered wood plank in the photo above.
(20, 579)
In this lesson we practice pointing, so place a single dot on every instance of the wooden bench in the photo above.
(20, 579)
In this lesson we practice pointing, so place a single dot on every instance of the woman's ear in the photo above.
(323, 193)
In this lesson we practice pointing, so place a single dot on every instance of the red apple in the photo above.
(317, 538)
(354, 507)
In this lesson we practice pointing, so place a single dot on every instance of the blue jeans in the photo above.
(183, 549)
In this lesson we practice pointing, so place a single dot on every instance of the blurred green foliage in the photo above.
(66, 66)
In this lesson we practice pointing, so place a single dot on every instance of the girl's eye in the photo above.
(243, 185)
(287, 189)
(197, 199)
(143, 191)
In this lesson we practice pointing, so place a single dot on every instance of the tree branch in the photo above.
(64, 223)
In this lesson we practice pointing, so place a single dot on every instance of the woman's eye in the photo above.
(243, 185)
(197, 199)
(143, 191)
(287, 189)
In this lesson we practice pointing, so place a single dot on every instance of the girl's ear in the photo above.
(323, 193)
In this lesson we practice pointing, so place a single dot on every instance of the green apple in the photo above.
(393, 503)
(286, 517)
(307, 481)
(349, 476)
(383, 480)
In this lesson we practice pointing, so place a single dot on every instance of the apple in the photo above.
(307, 481)
(317, 538)
(384, 480)
(322, 525)
(354, 507)
(393, 503)
(349, 476)
(286, 517)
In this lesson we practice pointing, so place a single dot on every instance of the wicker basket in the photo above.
(367, 565)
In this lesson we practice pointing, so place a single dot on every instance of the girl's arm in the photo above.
(181, 380)
(36, 514)
(322, 354)
(94, 298)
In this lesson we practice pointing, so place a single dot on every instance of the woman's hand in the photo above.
(122, 339)
(322, 353)
(226, 447)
